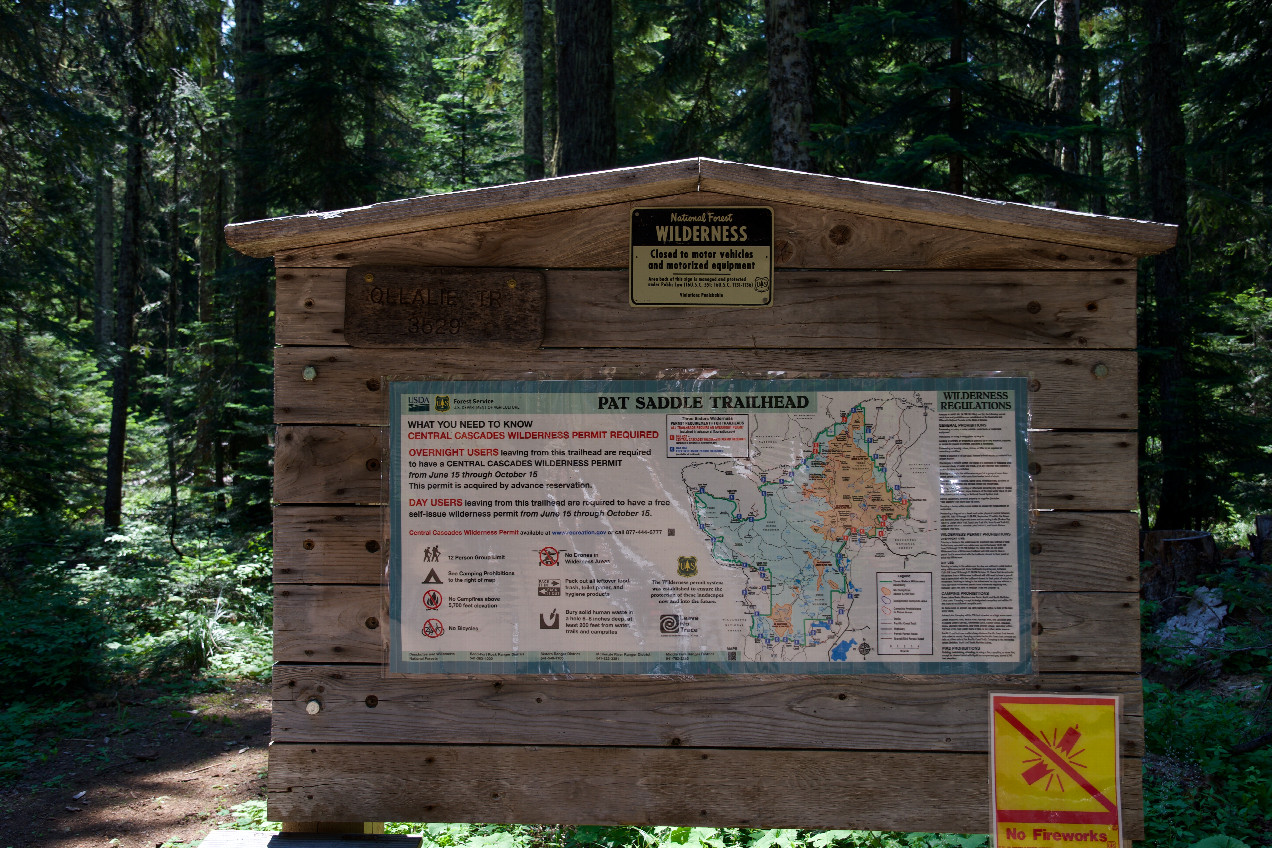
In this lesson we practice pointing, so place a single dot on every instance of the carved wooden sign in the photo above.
(443, 307)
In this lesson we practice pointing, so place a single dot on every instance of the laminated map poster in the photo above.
(709, 526)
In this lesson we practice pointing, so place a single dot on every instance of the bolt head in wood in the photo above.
(313, 707)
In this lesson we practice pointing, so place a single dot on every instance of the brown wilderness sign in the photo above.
(869, 281)
(410, 307)
(702, 256)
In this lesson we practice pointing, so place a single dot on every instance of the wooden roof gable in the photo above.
(746, 182)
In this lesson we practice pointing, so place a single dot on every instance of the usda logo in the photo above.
(417, 403)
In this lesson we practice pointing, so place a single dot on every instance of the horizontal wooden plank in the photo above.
(1077, 389)
(1087, 632)
(1081, 552)
(862, 309)
(805, 237)
(934, 207)
(841, 309)
(262, 238)
(1076, 631)
(645, 786)
(342, 465)
(1069, 551)
(876, 713)
(320, 544)
(1072, 470)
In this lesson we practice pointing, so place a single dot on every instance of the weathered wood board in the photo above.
(871, 281)
(881, 713)
(1069, 551)
(1069, 390)
(328, 464)
(646, 786)
(1074, 631)
(818, 309)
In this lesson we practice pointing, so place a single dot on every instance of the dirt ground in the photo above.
(145, 771)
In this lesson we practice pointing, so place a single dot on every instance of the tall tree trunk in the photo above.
(128, 277)
(532, 88)
(1095, 97)
(249, 83)
(253, 301)
(172, 314)
(958, 57)
(1132, 121)
(1165, 136)
(790, 83)
(103, 265)
(129, 280)
(1065, 90)
(587, 135)
(213, 197)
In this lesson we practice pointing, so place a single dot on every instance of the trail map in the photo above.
(663, 527)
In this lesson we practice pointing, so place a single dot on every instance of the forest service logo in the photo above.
(441, 403)
(688, 566)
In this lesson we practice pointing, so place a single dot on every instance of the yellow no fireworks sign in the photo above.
(1054, 770)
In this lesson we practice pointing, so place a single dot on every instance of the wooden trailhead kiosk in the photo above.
(685, 417)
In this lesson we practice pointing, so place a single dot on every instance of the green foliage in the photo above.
(82, 609)
(566, 836)
(334, 136)
(53, 638)
(249, 815)
(26, 731)
(209, 609)
(54, 414)
(1197, 791)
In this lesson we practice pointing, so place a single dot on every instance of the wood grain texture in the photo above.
(807, 237)
(347, 383)
(1076, 631)
(1073, 470)
(867, 712)
(1142, 238)
(318, 544)
(645, 786)
(262, 238)
(497, 203)
(1076, 552)
(391, 306)
(342, 465)
(1087, 632)
(1069, 551)
(842, 309)
(847, 309)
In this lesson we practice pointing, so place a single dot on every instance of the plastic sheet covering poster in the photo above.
(709, 526)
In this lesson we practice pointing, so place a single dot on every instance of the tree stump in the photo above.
(1178, 558)
(1262, 534)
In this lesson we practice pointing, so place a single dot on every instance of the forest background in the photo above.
(135, 348)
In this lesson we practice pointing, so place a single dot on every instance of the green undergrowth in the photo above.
(89, 614)
(251, 816)
(1204, 706)
(555, 836)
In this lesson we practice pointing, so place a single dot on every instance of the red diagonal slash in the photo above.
(1045, 749)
